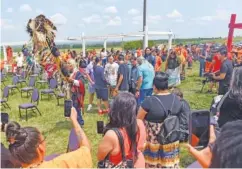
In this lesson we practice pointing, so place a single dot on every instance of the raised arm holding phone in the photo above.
(28, 146)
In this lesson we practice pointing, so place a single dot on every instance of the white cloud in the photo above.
(9, 10)
(155, 19)
(111, 9)
(220, 15)
(180, 20)
(25, 8)
(174, 14)
(133, 11)
(107, 17)
(58, 19)
(92, 19)
(39, 11)
(116, 21)
(6, 24)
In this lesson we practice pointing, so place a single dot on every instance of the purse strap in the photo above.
(121, 142)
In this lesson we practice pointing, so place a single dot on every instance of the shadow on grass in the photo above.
(30, 114)
(61, 125)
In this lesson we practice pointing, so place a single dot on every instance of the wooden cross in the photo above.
(232, 26)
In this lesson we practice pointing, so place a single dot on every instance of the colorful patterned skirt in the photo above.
(157, 155)
(174, 77)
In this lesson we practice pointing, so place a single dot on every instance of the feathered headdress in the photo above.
(42, 31)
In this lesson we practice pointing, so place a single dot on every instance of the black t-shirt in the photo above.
(155, 112)
(125, 71)
(227, 68)
(229, 111)
(100, 81)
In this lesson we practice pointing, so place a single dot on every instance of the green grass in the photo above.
(56, 128)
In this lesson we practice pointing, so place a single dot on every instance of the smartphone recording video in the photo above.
(199, 132)
(4, 118)
(100, 127)
(67, 108)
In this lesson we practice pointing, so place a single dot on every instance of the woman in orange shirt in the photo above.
(122, 116)
(27, 145)
(158, 60)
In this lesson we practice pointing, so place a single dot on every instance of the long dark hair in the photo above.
(123, 115)
(236, 86)
(227, 149)
(23, 141)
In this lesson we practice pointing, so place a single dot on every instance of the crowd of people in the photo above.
(137, 95)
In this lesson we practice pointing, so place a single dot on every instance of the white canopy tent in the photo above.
(84, 38)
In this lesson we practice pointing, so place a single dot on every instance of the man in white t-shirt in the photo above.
(111, 73)
(103, 55)
(19, 60)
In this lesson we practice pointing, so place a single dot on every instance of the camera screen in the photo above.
(200, 129)
(67, 108)
(4, 118)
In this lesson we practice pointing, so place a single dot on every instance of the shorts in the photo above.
(102, 94)
(91, 89)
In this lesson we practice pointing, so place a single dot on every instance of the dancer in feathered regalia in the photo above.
(42, 33)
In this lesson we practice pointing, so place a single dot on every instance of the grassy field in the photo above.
(56, 128)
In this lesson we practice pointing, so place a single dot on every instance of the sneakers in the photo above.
(106, 111)
(102, 112)
(89, 107)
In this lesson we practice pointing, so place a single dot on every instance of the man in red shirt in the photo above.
(216, 63)
(215, 68)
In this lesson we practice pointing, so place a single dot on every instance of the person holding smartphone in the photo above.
(226, 70)
(224, 151)
(28, 146)
(7, 160)
(77, 86)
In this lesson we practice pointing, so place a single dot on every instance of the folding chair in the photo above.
(51, 91)
(22, 78)
(30, 86)
(30, 106)
(4, 99)
(2, 77)
(43, 80)
(14, 84)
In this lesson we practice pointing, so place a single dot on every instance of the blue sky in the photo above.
(186, 18)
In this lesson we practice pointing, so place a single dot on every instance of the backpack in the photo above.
(170, 129)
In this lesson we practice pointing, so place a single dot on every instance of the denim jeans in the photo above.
(79, 115)
(143, 94)
(76, 105)
(202, 67)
